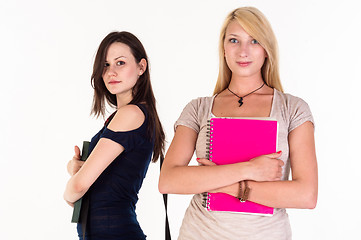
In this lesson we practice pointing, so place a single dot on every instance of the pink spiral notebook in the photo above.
(233, 140)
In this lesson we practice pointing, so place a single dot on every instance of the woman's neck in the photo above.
(244, 85)
(124, 99)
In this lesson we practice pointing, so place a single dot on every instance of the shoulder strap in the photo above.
(165, 199)
(109, 119)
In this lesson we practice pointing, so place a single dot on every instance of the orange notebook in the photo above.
(233, 140)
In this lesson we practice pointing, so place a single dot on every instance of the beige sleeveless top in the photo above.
(198, 223)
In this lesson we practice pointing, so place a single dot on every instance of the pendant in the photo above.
(240, 101)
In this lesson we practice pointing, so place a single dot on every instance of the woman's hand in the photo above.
(205, 162)
(75, 164)
(266, 168)
(70, 203)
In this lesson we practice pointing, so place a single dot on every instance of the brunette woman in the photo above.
(122, 150)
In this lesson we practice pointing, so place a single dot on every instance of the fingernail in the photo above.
(279, 152)
(197, 159)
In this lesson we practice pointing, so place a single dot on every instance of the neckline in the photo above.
(270, 114)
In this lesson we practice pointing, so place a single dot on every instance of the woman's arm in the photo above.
(127, 118)
(177, 177)
(102, 155)
(301, 191)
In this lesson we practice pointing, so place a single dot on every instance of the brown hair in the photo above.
(142, 90)
(256, 25)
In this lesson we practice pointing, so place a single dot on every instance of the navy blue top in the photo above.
(113, 196)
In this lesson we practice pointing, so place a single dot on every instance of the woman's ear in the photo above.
(142, 66)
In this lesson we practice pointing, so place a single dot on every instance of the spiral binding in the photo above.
(209, 151)
(209, 141)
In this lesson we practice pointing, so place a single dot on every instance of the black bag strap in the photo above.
(165, 199)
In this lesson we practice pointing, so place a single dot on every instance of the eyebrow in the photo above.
(116, 58)
(235, 35)
(119, 57)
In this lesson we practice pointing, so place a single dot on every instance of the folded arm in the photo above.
(177, 177)
(127, 118)
(103, 154)
(301, 191)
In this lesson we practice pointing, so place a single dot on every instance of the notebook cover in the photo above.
(233, 140)
(77, 205)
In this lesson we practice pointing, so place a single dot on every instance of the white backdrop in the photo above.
(46, 54)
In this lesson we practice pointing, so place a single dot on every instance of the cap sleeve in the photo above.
(299, 113)
(129, 139)
(189, 116)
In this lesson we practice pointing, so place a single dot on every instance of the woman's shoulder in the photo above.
(194, 113)
(199, 107)
(289, 99)
(294, 109)
(201, 102)
(126, 118)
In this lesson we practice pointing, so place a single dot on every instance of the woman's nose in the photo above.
(111, 71)
(243, 49)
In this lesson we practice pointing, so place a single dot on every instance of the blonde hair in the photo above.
(256, 25)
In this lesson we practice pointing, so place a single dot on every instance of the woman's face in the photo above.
(121, 71)
(243, 54)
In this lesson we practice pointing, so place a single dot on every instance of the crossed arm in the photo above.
(83, 175)
(263, 172)
(103, 154)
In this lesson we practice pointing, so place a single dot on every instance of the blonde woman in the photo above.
(248, 86)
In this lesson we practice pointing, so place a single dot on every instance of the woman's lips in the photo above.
(244, 64)
(114, 82)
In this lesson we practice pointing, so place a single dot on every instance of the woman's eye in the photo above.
(119, 63)
(106, 64)
(254, 41)
(233, 40)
